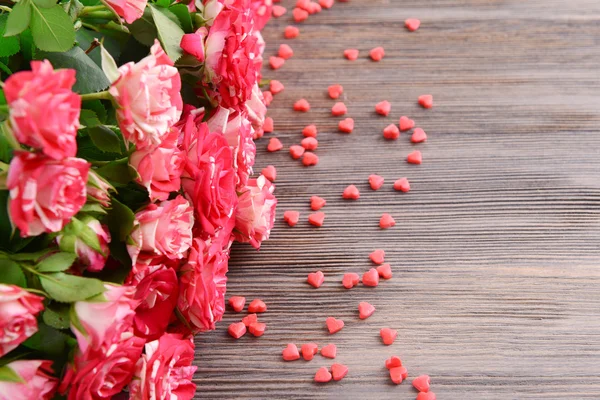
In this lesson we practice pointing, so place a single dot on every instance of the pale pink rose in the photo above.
(210, 9)
(105, 319)
(37, 383)
(149, 98)
(256, 110)
(193, 43)
(202, 284)
(160, 169)
(18, 310)
(257, 53)
(162, 230)
(165, 371)
(130, 10)
(44, 111)
(87, 256)
(255, 214)
(45, 193)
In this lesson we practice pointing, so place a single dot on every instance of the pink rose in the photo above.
(202, 284)
(193, 43)
(255, 214)
(165, 372)
(256, 110)
(98, 188)
(159, 169)
(18, 310)
(44, 111)
(156, 288)
(45, 193)
(148, 96)
(262, 12)
(209, 176)
(130, 10)
(37, 381)
(87, 256)
(162, 230)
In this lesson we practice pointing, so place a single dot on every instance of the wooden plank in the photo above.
(496, 252)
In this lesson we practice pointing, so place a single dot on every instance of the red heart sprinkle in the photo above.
(299, 14)
(278, 11)
(391, 132)
(269, 172)
(334, 325)
(309, 350)
(426, 100)
(402, 185)
(257, 329)
(351, 54)
(346, 125)
(317, 218)
(323, 375)
(421, 383)
(426, 396)
(290, 353)
(316, 203)
(237, 330)
(412, 24)
(257, 306)
(268, 97)
(237, 303)
(291, 217)
(276, 62)
(386, 221)
(276, 86)
(268, 125)
(274, 145)
(351, 192)
(404, 372)
(339, 109)
(415, 157)
(250, 319)
(296, 151)
(329, 351)
(396, 375)
(301, 105)
(285, 51)
(418, 136)
(339, 371)
(291, 32)
(310, 131)
(375, 181)
(377, 256)
(309, 143)
(335, 91)
(388, 335)
(377, 53)
(314, 8)
(385, 271)
(303, 4)
(371, 278)
(365, 310)
(393, 362)
(406, 123)
(383, 108)
(350, 280)
(326, 3)
(310, 159)
(316, 279)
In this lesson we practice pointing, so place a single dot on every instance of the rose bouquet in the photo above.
(126, 153)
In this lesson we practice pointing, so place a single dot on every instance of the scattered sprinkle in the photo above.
(418, 136)
(291, 32)
(270, 172)
(386, 221)
(391, 132)
(317, 218)
(274, 145)
(346, 125)
(415, 157)
(334, 325)
(338, 109)
(402, 185)
(302, 105)
(257, 329)
(237, 330)
(385, 271)
(310, 159)
(237, 303)
(316, 203)
(375, 181)
(351, 193)
(309, 350)
(406, 123)
(371, 278)
(350, 280)
(383, 108)
(285, 51)
(296, 151)
(291, 217)
(299, 14)
(351, 54)
(421, 383)
(257, 306)
(310, 131)
(412, 24)
(315, 279)
(268, 125)
(310, 143)
(329, 351)
(323, 375)
(426, 100)
(335, 91)
(276, 86)
(290, 353)
(365, 310)
(377, 256)
(377, 54)
(278, 11)
(339, 371)
(388, 335)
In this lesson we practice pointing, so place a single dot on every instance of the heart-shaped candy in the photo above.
(388, 335)
(346, 125)
(315, 279)
(351, 54)
(365, 310)
(291, 217)
(335, 91)
(402, 185)
(278, 11)
(385, 271)
(426, 396)
(393, 362)
(418, 136)
(383, 107)
(237, 303)
(396, 375)
(412, 24)
(371, 278)
(415, 157)
(299, 14)
(274, 144)
(375, 181)
(386, 221)
(329, 351)
(285, 51)
(426, 100)
(323, 375)
(270, 172)
(421, 383)
(250, 319)
(391, 132)
(350, 280)
(334, 325)
(310, 131)
(377, 256)
(338, 371)
(257, 329)
(316, 203)
(377, 54)
(338, 109)
(406, 123)
(310, 159)
(351, 192)
(237, 330)
(309, 350)
(296, 151)
(317, 218)
(290, 353)
(302, 105)
(268, 125)
(310, 143)
(276, 86)
(257, 306)
(276, 62)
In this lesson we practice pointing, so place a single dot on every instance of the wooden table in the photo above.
(496, 251)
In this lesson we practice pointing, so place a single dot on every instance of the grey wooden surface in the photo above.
(496, 251)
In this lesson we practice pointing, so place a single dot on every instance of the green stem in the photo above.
(88, 9)
(10, 138)
(96, 96)
(104, 14)
(37, 291)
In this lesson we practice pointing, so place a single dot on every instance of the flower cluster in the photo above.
(125, 181)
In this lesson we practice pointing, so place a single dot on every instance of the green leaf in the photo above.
(84, 233)
(7, 374)
(97, 107)
(19, 18)
(27, 46)
(143, 29)
(88, 118)
(120, 220)
(169, 33)
(45, 3)
(47, 340)
(70, 288)
(56, 315)
(109, 66)
(183, 14)
(57, 262)
(90, 78)
(73, 8)
(8, 45)
(116, 171)
(5, 225)
(163, 3)
(93, 209)
(105, 139)
(5, 68)
(52, 29)
(30, 256)
(11, 273)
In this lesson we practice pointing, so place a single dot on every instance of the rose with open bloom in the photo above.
(165, 371)
(202, 284)
(255, 214)
(87, 255)
(161, 230)
(130, 10)
(149, 98)
(45, 193)
(18, 310)
(44, 111)
(37, 381)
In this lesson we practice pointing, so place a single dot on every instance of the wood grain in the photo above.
(496, 251)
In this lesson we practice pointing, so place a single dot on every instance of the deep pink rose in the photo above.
(44, 111)
(255, 214)
(98, 189)
(209, 175)
(87, 256)
(37, 383)
(161, 230)
(149, 98)
(130, 10)
(193, 43)
(165, 371)
(156, 288)
(202, 284)
(159, 169)
(18, 310)
(45, 193)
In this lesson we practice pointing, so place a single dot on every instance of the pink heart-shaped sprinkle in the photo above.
(334, 325)
(276, 62)
(383, 108)
(385, 271)
(350, 280)
(291, 217)
(377, 256)
(371, 278)
(257, 329)
(278, 11)
(310, 143)
(269, 172)
(335, 91)
(310, 131)
(302, 105)
(396, 375)
(426, 100)
(339, 109)
(338, 371)
(386, 221)
(351, 192)
(323, 375)
(375, 181)
(257, 306)
(310, 159)
(309, 350)
(365, 310)
(351, 54)
(329, 351)
(426, 396)
(274, 145)
(326, 3)
(275, 86)
(317, 218)
(388, 335)
(393, 362)
(377, 54)
(285, 51)
(421, 383)
(268, 125)
(290, 353)
(391, 132)
(346, 125)
(250, 319)
(412, 24)
(415, 157)
(316, 279)
(406, 123)
(418, 136)
(402, 185)
(296, 151)
(291, 32)
(237, 303)
(237, 330)
(299, 14)
(316, 203)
